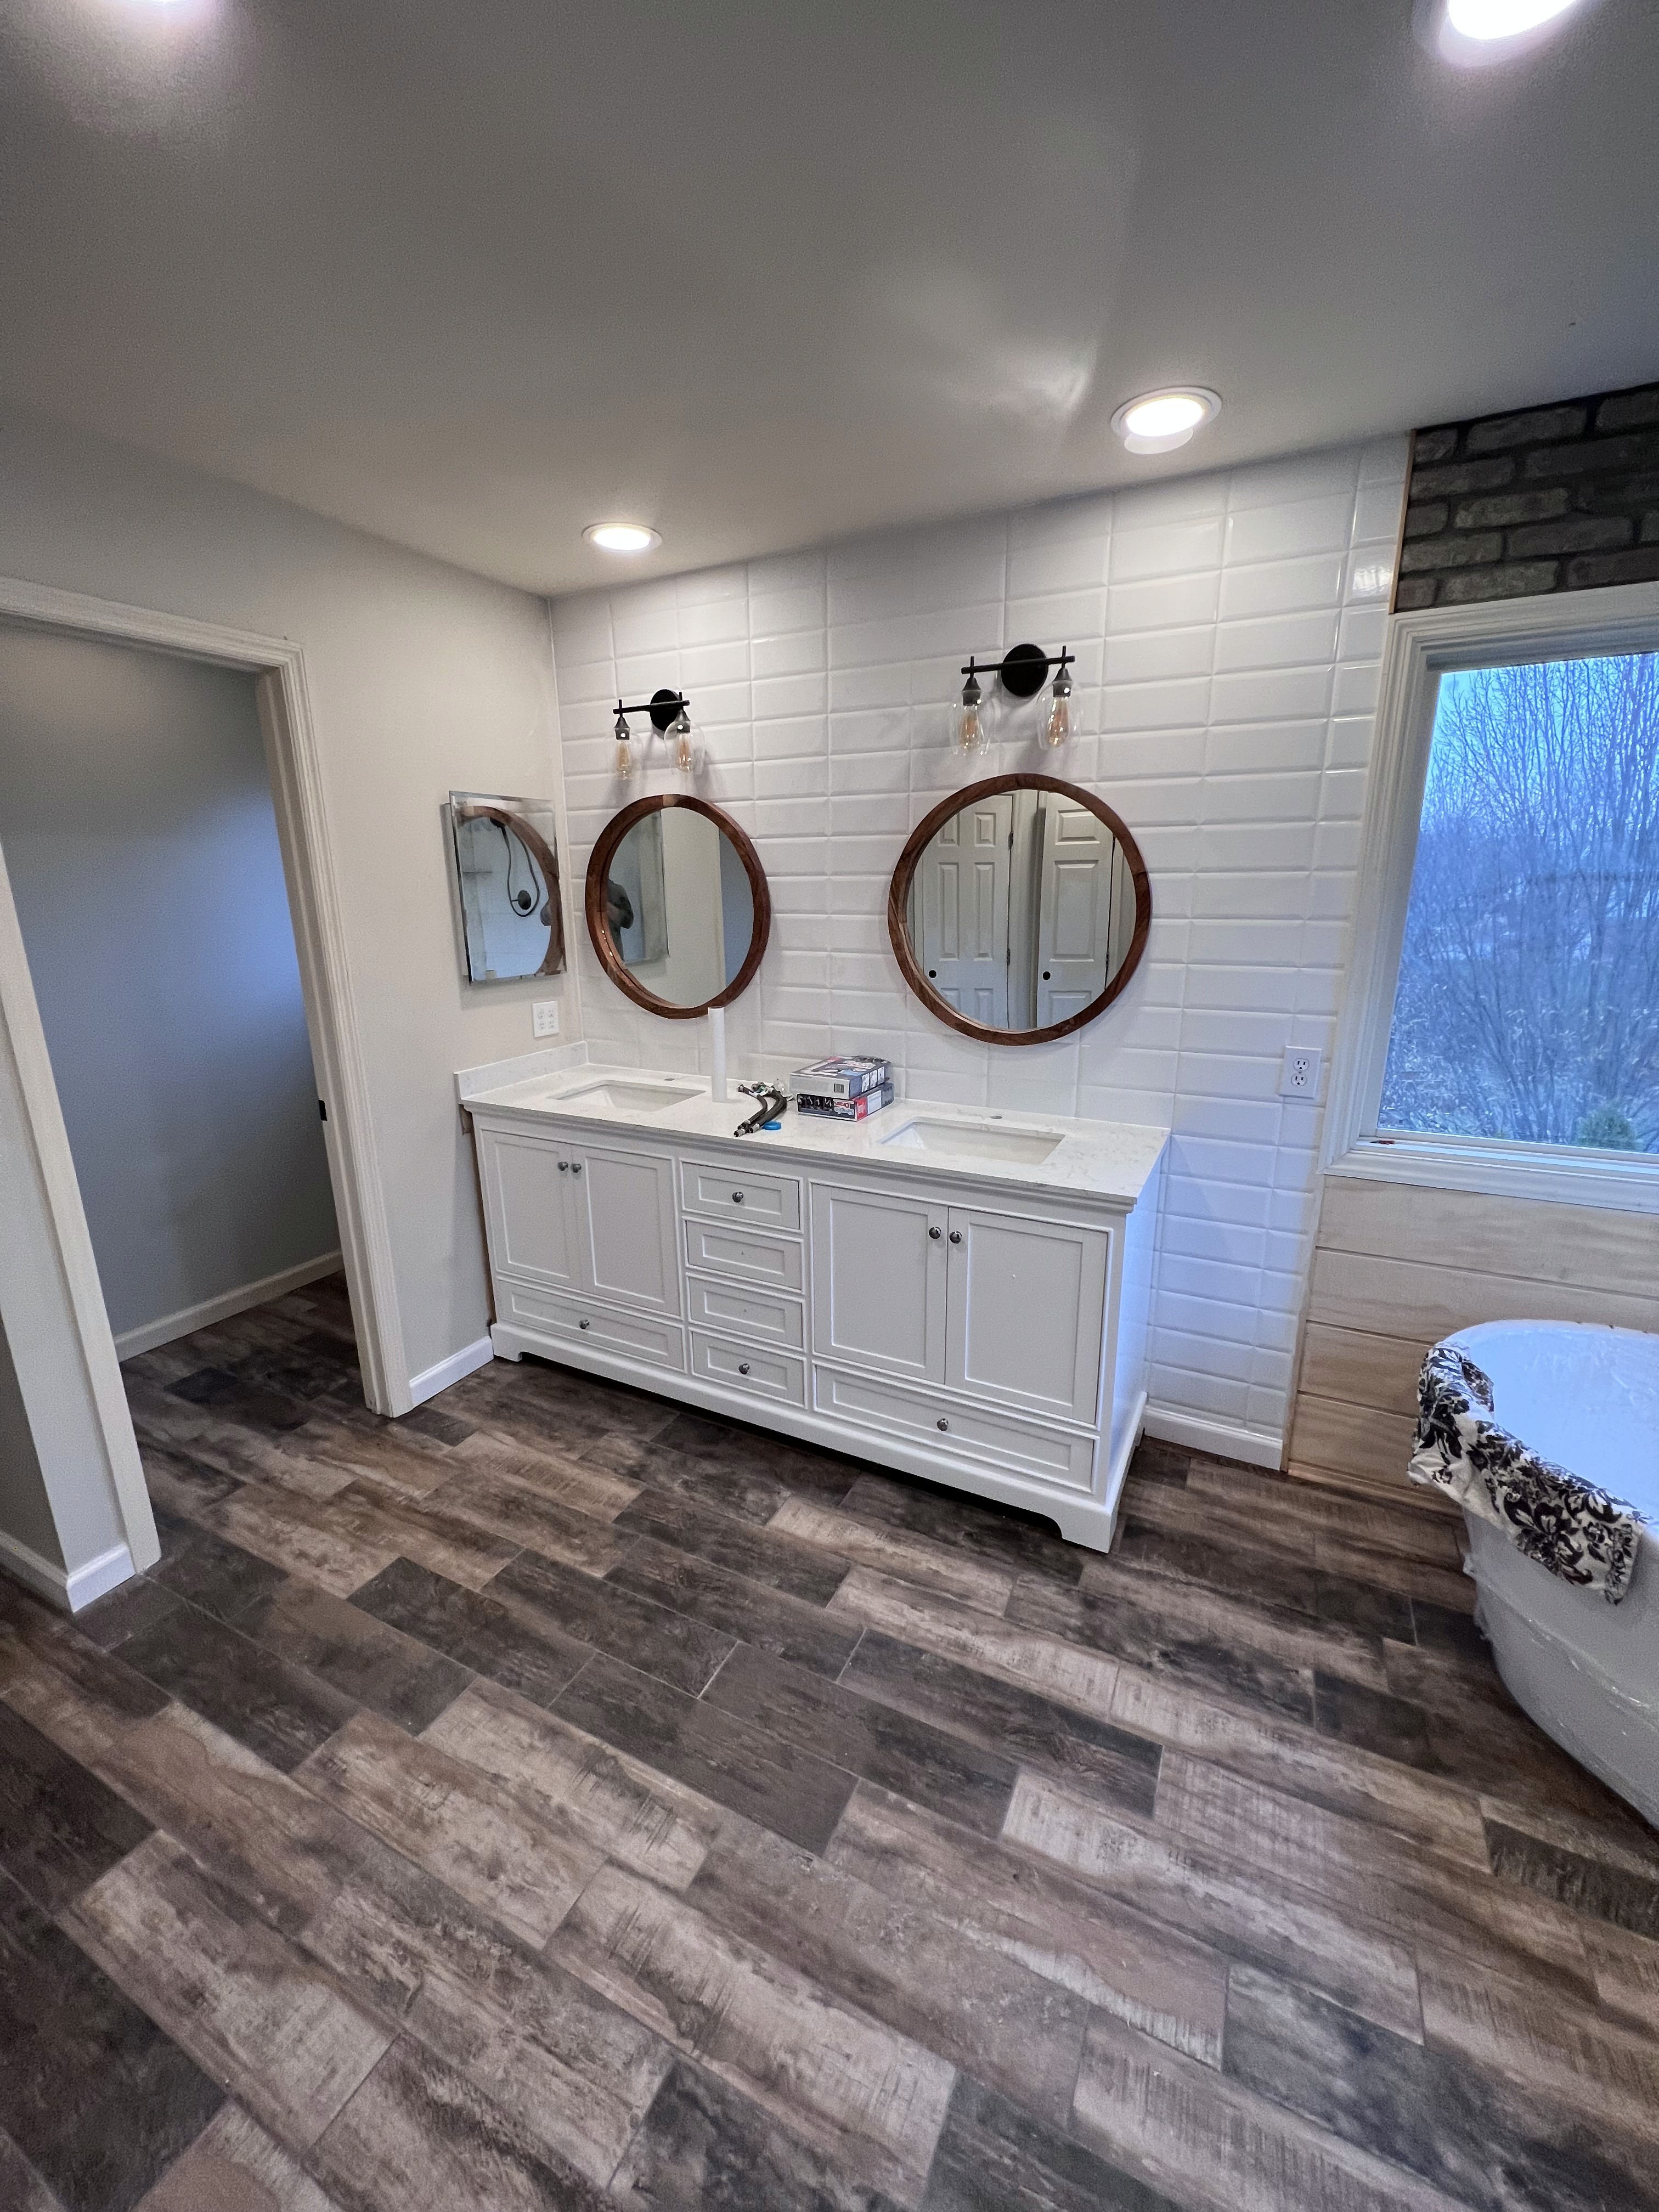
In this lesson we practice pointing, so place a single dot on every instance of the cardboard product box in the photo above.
(845, 1109)
(850, 1076)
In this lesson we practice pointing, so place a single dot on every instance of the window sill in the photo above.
(1551, 1174)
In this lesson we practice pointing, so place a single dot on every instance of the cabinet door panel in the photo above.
(879, 1280)
(528, 1199)
(624, 1205)
(1028, 1305)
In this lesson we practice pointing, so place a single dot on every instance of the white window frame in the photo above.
(1422, 646)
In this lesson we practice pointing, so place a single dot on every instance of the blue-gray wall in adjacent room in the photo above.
(136, 824)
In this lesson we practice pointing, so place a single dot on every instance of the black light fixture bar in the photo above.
(662, 706)
(1023, 669)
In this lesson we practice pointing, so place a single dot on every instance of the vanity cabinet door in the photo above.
(1027, 1311)
(879, 1280)
(627, 1247)
(526, 1185)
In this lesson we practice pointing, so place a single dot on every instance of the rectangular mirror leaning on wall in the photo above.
(506, 883)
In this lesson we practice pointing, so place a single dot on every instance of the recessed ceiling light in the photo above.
(622, 537)
(1474, 33)
(1158, 422)
(1501, 19)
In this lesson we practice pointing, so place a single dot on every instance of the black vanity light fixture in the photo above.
(1022, 671)
(670, 718)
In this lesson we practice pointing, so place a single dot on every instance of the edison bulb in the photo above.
(682, 752)
(1058, 727)
(969, 734)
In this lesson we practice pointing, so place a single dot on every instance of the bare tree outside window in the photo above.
(1527, 1004)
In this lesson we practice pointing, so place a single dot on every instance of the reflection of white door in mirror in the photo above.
(1086, 912)
(1020, 908)
(959, 894)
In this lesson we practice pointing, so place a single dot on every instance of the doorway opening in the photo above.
(139, 836)
(65, 1423)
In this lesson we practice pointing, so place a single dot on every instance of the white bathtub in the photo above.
(1588, 1672)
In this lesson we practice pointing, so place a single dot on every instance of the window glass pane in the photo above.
(1527, 1004)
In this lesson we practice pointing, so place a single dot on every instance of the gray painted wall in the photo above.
(137, 827)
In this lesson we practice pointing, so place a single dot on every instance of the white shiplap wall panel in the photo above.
(1228, 630)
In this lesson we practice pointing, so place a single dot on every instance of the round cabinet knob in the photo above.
(956, 1236)
(941, 1423)
(737, 1198)
(743, 1367)
(576, 1167)
(584, 1324)
(933, 973)
(564, 1167)
(936, 1234)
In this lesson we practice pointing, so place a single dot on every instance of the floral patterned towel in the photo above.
(1570, 1527)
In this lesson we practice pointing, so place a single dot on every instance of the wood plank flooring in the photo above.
(558, 1800)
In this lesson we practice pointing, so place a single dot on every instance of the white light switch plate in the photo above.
(544, 1012)
(1299, 1076)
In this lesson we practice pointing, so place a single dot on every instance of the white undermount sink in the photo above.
(616, 1097)
(972, 1140)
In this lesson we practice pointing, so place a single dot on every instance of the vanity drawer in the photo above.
(772, 1201)
(763, 1374)
(755, 1314)
(727, 1248)
(630, 1336)
(999, 1440)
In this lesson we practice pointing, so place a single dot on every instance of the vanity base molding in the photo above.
(962, 1298)
(1082, 1518)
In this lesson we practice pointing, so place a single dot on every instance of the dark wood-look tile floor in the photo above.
(557, 1800)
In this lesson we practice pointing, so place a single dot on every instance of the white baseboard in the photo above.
(456, 1369)
(69, 1589)
(189, 1318)
(1219, 1437)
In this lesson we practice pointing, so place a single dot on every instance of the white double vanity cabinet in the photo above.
(960, 1295)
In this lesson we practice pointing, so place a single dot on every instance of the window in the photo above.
(1501, 1028)
(1528, 1000)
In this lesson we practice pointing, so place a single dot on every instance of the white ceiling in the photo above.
(760, 271)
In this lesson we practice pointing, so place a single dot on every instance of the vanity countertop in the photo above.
(1110, 1160)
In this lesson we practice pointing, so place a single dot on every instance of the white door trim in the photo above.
(297, 792)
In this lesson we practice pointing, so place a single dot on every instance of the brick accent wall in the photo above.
(1555, 499)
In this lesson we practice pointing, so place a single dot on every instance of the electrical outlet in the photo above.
(1299, 1076)
(544, 1012)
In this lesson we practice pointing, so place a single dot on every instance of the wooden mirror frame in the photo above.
(898, 908)
(599, 872)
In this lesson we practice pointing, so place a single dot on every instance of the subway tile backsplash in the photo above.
(1227, 629)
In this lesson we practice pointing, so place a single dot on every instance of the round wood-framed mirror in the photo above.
(677, 903)
(1019, 909)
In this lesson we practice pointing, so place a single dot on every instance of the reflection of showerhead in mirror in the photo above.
(507, 874)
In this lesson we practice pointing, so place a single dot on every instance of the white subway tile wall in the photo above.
(1227, 630)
